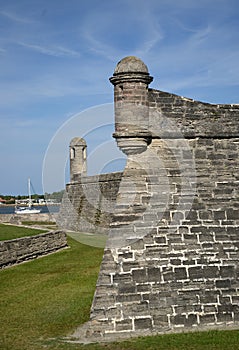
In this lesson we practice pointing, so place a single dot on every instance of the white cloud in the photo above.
(125, 32)
(51, 50)
(63, 82)
(60, 61)
(205, 57)
(15, 17)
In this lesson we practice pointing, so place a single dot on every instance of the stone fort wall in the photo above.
(88, 202)
(181, 269)
(171, 259)
(16, 251)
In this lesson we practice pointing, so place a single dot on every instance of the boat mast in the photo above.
(29, 193)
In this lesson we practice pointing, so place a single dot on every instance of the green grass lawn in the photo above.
(38, 223)
(94, 240)
(11, 232)
(46, 299)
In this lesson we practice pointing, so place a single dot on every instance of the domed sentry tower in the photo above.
(78, 165)
(131, 79)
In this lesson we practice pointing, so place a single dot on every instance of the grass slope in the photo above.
(11, 232)
(46, 299)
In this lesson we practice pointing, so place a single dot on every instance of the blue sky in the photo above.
(56, 57)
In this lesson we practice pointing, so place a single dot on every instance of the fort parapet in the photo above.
(88, 202)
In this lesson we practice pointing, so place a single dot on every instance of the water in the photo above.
(9, 209)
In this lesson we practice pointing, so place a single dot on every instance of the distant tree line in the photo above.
(56, 196)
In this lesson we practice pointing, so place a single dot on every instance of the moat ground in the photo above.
(44, 300)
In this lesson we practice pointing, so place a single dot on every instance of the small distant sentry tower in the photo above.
(78, 158)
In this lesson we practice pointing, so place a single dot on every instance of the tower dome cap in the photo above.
(131, 64)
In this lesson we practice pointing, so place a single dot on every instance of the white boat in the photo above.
(29, 209)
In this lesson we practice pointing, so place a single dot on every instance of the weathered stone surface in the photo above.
(26, 248)
(174, 234)
(18, 219)
(88, 203)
